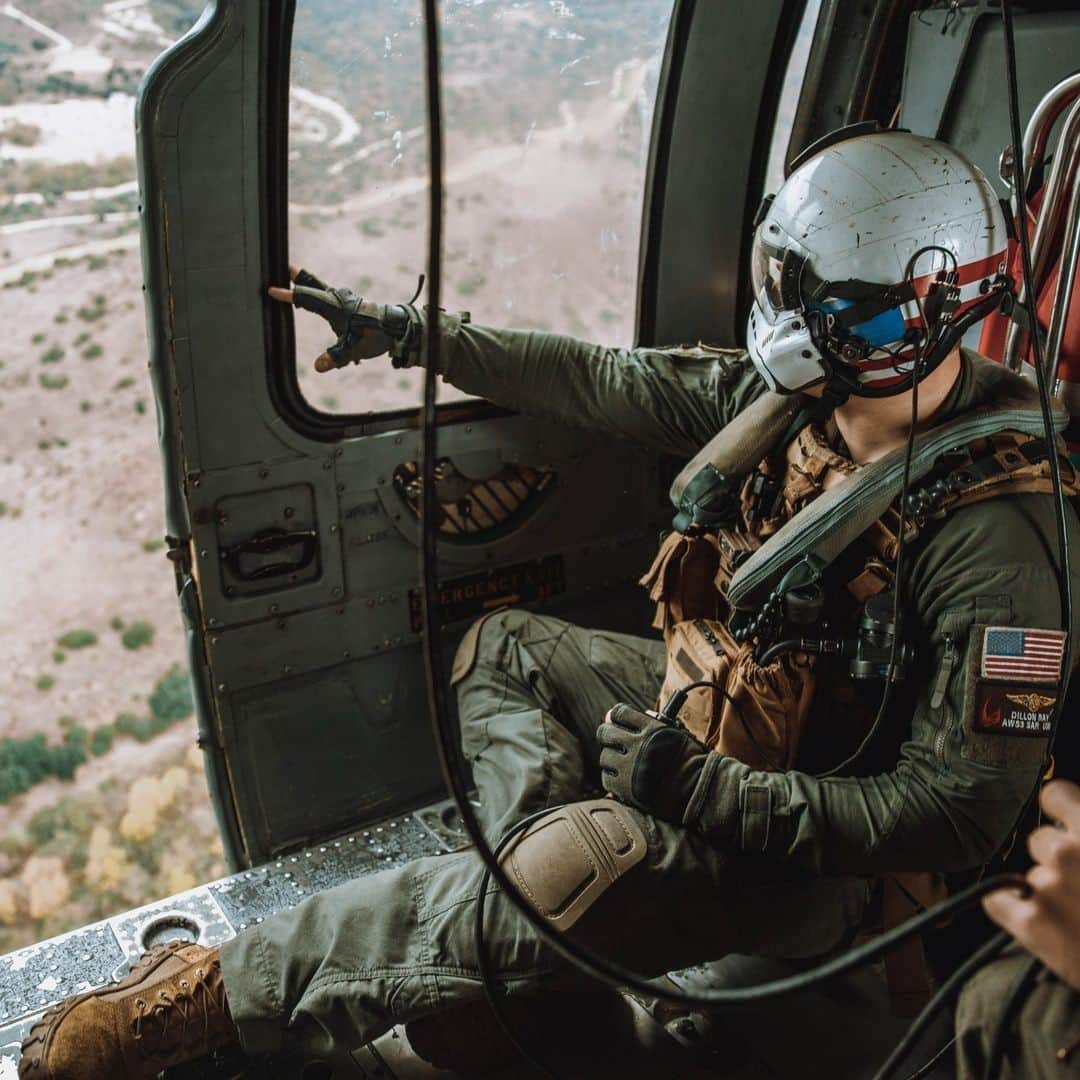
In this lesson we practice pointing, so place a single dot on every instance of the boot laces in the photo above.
(180, 1020)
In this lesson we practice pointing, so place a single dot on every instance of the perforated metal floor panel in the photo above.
(36, 977)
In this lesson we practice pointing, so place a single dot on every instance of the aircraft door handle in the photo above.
(272, 553)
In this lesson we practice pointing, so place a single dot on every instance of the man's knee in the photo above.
(490, 639)
(566, 860)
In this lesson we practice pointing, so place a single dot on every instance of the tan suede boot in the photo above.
(170, 1008)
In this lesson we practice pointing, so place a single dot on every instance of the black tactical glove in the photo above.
(364, 329)
(661, 768)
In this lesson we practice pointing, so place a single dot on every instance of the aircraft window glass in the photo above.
(789, 98)
(102, 797)
(548, 107)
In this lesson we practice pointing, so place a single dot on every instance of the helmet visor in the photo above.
(774, 275)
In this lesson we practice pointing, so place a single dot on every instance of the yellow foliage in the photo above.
(106, 862)
(47, 885)
(147, 799)
(179, 878)
(9, 902)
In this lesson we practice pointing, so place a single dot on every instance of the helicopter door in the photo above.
(292, 498)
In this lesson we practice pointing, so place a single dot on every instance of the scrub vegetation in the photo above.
(547, 107)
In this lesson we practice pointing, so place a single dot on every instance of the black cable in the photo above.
(945, 993)
(1018, 993)
(898, 572)
(1040, 374)
(492, 989)
(450, 759)
(928, 1068)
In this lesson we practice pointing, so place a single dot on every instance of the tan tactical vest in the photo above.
(758, 714)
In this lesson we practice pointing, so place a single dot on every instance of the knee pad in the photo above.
(465, 657)
(565, 861)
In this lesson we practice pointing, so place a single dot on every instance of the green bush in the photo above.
(92, 352)
(102, 739)
(140, 406)
(52, 382)
(26, 762)
(82, 338)
(77, 639)
(126, 722)
(116, 623)
(151, 546)
(92, 314)
(53, 355)
(45, 682)
(38, 338)
(138, 634)
(171, 697)
(123, 384)
(59, 656)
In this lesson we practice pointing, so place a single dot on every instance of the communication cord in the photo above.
(450, 756)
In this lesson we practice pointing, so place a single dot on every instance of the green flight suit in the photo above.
(1043, 1040)
(792, 877)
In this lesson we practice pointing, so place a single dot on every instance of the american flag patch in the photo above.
(1022, 654)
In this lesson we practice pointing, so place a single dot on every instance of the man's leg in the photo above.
(531, 692)
(1046, 1024)
(350, 963)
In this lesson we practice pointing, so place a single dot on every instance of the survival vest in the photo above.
(759, 713)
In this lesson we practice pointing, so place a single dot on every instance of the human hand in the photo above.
(363, 328)
(650, 763)
(1047, 920)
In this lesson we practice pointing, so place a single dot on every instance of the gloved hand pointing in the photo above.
(363, 329)
(661, 768)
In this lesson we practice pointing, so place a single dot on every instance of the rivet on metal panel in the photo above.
(203, 553)
(288, 669)
(289, 511)
(328, 463)
(371, 603)
(381, 480)
(211, 621)
(468, 429)
(274, 609)
(337, 591)
(264, 473)
(397, 440)
(281, 624)
(333, 528)
(341, 488)
(346, 654)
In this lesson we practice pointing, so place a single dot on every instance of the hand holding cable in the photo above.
(650, 762)
(364, 329)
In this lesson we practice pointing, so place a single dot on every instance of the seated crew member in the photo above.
(721, 836)
(1044, 1039)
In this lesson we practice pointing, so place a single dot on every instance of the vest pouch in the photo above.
(680, 581)
(699, 650)
(765, 712)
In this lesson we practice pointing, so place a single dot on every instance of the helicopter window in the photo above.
(780, 152)
(548, 108)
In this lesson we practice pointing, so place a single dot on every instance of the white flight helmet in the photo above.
(880, 249)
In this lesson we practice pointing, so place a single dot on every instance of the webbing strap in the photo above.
(839, 517)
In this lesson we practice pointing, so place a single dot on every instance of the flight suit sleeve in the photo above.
(672, 400)
(966, 770)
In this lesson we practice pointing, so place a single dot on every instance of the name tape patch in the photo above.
(1022, 654)
(1014, 710)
